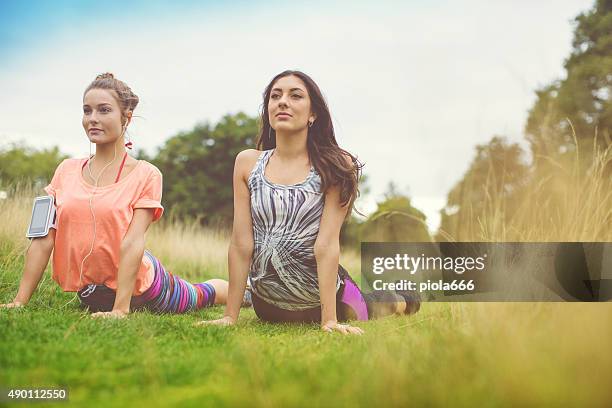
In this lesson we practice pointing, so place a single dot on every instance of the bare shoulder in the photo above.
(245, 161)
(248, 155)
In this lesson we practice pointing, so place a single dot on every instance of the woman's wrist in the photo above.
(20, 301)
(230, 318)
(328, 310)
(121, 308)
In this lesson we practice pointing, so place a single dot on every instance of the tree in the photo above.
(493, 181)
(395, 220)
(20, 163)
(583, 96)
(198, 167)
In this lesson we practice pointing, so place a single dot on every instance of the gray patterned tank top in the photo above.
(286, 222)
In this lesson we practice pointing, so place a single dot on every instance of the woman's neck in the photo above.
(291, 146)
(108, 152)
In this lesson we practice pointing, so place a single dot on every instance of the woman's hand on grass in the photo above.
(113, 314)
(224, 321)
(333, 325)
(12, 305)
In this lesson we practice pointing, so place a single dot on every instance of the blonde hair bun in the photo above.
(124, 95)
(105, 75)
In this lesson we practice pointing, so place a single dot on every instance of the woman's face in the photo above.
(102, 118)
(289, 105)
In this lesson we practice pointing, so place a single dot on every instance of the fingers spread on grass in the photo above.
(109, 315)
(218, 322)
(204, 323)
(345, 329)
(12, 305)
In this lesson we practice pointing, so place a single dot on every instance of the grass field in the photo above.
(449, 354)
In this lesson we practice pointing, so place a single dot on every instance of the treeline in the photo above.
(197, 167)
(20, 163)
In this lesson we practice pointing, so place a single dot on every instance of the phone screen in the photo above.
(39, 216)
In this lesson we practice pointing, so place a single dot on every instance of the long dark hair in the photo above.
(336, 166)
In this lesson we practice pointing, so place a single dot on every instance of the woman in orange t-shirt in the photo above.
(105, 205)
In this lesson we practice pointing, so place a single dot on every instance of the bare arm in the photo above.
(241, 243)
(132, 251)
(37, 258)
(327, 254)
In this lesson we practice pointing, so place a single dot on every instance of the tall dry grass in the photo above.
(189, 249)
(567, 198)
(15, 212)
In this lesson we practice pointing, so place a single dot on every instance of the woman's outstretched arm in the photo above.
(131, 253)
(241, 243)
(37, 258)
(327, 254)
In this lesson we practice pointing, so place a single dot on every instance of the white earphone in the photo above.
(91, 209)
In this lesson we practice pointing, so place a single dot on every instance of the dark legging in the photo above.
(351, 304)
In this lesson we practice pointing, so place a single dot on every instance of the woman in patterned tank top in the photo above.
(291, 197)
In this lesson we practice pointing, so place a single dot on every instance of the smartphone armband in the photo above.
(43, 217)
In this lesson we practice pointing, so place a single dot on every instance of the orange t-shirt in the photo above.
(113, 207)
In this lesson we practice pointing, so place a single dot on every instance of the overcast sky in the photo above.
(412, 86)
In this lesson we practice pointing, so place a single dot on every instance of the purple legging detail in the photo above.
(352, 297)
(348, 298)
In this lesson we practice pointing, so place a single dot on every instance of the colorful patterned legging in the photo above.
(167, 294)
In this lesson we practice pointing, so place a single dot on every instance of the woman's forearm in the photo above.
(130, 259)
(327, 274)
(36, 261)
(239, 260)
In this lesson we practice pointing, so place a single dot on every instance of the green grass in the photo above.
(448, 354)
